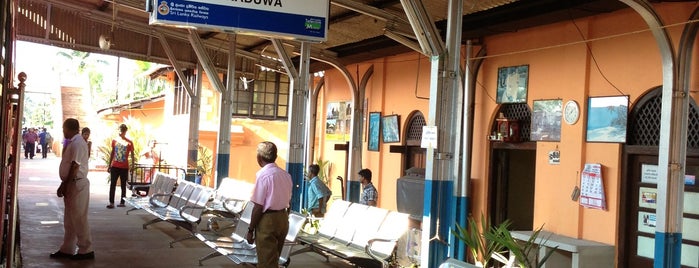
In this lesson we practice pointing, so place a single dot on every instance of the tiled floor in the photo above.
(119, 239)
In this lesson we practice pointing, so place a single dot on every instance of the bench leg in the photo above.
(180, 240)
(211, 255)
(132, 209)
(311, 249)
(145, 225)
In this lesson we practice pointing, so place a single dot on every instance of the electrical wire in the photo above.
(592, 55)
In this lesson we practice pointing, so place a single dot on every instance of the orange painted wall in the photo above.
(399, 85)
(622, 59)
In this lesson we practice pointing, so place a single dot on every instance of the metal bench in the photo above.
(184, 209)
(236, 248)
(228, 202)
(365, 236)
(161, 185)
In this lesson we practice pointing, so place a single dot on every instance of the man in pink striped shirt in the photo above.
(271, 197)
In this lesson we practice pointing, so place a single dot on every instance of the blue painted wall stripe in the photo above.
(221, 169)
(668, 247)
(439, 205)
(460, 250)
(296, 171)
(354, 188)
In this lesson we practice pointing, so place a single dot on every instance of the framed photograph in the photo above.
(391, 129)
(512, 84)
(338, 121)
(606, 119)
(546, 120)
(374, 128)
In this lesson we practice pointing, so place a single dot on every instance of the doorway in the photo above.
(512, 186)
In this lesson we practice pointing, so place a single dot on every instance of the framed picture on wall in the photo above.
(374, 128)
(512, 84)
(546, 120)
(606, 119)
(391, 129)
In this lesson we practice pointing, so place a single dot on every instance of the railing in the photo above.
(141, 176)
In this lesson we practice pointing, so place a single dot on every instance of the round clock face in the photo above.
(571, 112)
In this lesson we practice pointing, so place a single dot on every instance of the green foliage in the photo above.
(205, 160)
(324, 170)
(480, 246)
(491, 242)
(524, 252)
(137, 133)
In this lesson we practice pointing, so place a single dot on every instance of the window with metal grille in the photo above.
(519, 112)
(267, 97)
(182, 100)
(644, 121)
(413, 135)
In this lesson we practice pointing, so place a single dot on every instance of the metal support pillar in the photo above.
(194, 109)
(175, 64)
(297, 122)
(355, 153)
(224, 129)
(312, 107)
(442, 167)
(672, 150)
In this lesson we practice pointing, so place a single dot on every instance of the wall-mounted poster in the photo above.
(338, 121)
(606, 119)
(391, 128)
(374, 131)
(512, 84)
(647, 197)
(546, 120)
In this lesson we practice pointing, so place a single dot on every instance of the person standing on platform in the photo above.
(122, 153)
(75, 190)
(369, 195)
(43, 141)
(271, 196)
(30, 139)
(318, 192)
(86, 135)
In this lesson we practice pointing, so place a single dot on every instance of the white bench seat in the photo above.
(365, 236)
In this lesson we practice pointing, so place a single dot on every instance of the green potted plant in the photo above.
(487, 242)
(205, 162)
(480, 247)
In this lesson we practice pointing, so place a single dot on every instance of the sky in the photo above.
(39, 61)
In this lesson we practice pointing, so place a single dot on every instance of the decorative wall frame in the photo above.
(546, 120)
(374, 131)
(390, 128)
(512, 84)
(607, 118)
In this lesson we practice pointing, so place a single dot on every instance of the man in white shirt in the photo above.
(75, 190)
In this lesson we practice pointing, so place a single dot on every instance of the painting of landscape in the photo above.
(606, 119)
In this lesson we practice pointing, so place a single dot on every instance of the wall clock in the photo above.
(571, 112)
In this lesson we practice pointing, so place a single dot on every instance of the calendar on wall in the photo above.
(592, 187)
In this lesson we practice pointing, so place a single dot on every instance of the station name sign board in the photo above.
(297, 19)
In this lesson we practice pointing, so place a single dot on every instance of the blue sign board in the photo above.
(298, 19)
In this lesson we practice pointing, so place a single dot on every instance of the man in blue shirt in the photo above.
(318, 192)
(369, 195)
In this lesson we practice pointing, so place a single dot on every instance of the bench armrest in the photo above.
(226, 205)
(371, 253)
(188, 217)
(154, 197)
